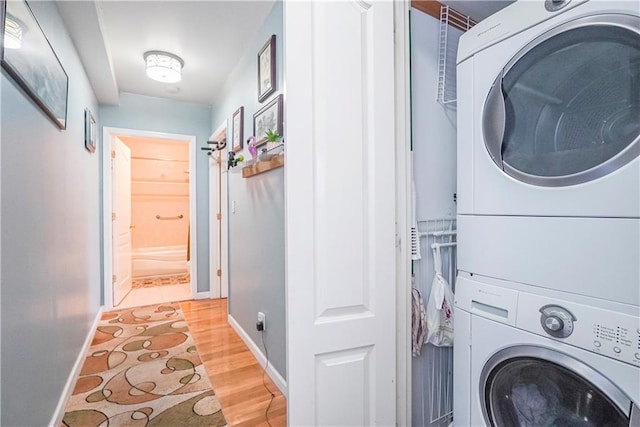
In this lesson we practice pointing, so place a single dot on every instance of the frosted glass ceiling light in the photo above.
(12, 34)
(163, 66)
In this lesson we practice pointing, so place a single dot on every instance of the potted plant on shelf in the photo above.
(273, 141)
(273, 138)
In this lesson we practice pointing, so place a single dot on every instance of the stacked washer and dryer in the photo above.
(547, 306)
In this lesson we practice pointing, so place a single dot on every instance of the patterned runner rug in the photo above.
(147, 282)
(142, 369)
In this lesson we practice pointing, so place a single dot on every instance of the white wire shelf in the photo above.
(447, 50)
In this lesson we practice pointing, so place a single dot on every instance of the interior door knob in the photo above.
(132, 226)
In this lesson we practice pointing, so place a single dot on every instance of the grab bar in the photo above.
(439, 233)
(170, 217)
(443, 245)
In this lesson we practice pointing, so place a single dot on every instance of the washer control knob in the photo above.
(616, 349)
(637, 356)
(553, 5)
(597, 343)
(553, 323)
(556, 321)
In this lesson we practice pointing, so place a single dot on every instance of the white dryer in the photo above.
(524, 359)
(549, 111)
(549, 145)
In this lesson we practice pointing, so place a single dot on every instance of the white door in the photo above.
(121, 202)
(340, 213)
(223, 224)
(217, 206)
(214, 224)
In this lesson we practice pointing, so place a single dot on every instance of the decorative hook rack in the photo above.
(217, 146)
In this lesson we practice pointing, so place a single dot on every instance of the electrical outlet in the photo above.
(262, 318)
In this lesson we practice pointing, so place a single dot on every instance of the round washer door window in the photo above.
(566, 109)
(529, 391)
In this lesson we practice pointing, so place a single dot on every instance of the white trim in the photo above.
(107, 133)
(273, 374)
(215, 256)
(202, 295)
(403, 218)
(58, 415)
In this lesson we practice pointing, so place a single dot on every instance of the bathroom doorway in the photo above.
(149, 198)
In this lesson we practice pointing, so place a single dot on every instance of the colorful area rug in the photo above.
(147, 282)
(142, 369)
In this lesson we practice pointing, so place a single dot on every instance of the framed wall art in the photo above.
(267, 69)
(31, 62)
(237, 127)
(268, 117)
(90, 131)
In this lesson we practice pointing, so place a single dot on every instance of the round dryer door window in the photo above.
(548, 390)
(566, 109)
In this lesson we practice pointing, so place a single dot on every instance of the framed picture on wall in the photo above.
(31, 62)
(267, 69)
(90, 131)
(268, 117)
(237, 126)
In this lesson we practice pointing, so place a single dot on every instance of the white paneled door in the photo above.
(121, 203)
(340, 208)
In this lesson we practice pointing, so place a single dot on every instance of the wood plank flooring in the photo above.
(234, 372)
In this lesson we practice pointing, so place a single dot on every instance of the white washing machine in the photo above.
(549, 142)
(525, 359)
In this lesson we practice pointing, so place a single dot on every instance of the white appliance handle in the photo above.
(494, 118)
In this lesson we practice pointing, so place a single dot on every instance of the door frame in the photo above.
(107, 243)
(219, 286)
(403, 179)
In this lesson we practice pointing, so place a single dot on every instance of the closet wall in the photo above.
(434, 171)
(159, 186)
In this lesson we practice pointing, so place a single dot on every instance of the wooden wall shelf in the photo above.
(263, 166)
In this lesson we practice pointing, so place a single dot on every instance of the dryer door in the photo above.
(566, 109)
(536, 386)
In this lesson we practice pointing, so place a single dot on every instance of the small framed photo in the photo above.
(268, 117)
(29, 59)
(237, 126)
(90, 131)
(267, 69)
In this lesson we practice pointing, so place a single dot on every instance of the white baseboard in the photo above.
(203, 295)
(273, 374)
(58, 415)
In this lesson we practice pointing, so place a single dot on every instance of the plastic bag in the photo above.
(440, 313)
(440, 309)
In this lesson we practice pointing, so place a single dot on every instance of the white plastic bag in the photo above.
(440, 308)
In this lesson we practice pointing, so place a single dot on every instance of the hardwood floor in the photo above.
(234, 372)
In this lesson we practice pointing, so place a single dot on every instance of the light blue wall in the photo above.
(256, 229)
(433, 126)
(50, 236)
(165, 115)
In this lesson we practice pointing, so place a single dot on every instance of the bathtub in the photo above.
(159, 261)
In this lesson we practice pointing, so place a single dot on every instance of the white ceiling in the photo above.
(210, 36)
(111, 37)
(477, 9)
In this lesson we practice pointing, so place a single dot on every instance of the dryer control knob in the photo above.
(556, 321)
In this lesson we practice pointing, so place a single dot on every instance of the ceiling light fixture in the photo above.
(163, 66)
(12, 33)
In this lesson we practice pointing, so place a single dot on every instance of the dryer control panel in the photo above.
(610, 333)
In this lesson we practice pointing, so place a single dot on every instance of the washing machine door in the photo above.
(566, 109)
(531, 386)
